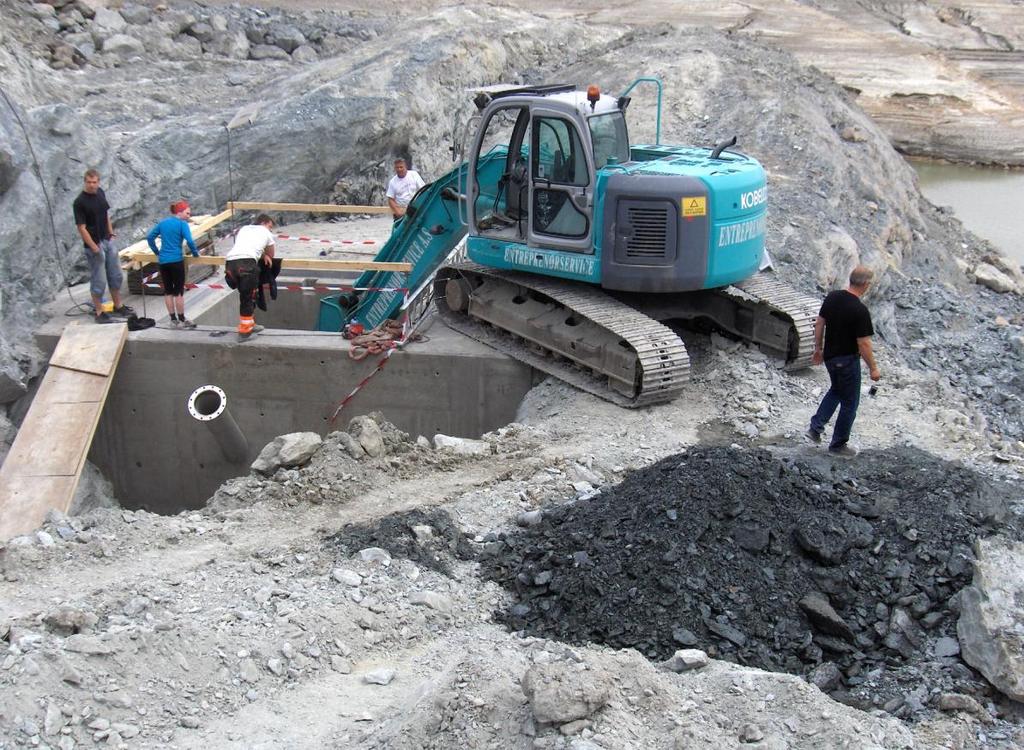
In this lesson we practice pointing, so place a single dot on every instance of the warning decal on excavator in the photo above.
(695, 206)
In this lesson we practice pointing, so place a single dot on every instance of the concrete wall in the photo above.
(160, 458)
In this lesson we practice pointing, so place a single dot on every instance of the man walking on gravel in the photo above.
(844, 325)
(92, 218)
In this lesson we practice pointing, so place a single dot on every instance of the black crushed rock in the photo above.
(782, 564)
(395, 534)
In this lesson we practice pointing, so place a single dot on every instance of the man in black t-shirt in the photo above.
(92, 218)
(845, 325)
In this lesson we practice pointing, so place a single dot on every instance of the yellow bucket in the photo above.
(108, 307)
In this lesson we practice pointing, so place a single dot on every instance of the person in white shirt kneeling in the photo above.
(254, 244)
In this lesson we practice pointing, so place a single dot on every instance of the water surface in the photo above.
(988, 200)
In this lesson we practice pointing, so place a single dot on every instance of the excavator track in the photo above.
(781, 300)
(570, 330)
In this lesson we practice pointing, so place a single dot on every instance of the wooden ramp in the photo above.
(43, 467)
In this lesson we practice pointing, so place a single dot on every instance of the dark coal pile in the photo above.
(397, 534)
(842, 571)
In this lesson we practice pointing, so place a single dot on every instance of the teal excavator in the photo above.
(582, 246)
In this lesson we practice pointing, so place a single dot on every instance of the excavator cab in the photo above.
(539, 193)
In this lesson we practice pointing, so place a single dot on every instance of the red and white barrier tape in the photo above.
(302, 288)
(380, 366)
(324, 242)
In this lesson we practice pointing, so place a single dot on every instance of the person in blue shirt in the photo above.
(173, 231)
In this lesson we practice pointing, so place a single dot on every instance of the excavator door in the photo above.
(561, 190)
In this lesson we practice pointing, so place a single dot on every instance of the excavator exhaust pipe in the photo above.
(209, 404)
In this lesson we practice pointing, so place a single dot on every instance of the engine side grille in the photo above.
(649, 238)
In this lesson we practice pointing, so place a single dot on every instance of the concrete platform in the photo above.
(159, 458)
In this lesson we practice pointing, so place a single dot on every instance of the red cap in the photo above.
(177, 208)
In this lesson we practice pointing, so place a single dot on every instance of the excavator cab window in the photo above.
(610, 138)
(560, 173)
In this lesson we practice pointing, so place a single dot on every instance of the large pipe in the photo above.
(209, 404)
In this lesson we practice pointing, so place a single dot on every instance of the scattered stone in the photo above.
(53, 720)
(114, 699)
(530, 518)
(341, 664)
(751, 733)
(376, 555)
(293, 449)
(826, 677)
(947, 646)
(69, 620)
(247, 671)
(432, 600)
(277, 666)
(367, 434)
(960, 702)
(462, 446)
(347, 577)
(560, 693)
(87, 644)
(991, 277)
(382, 676)
(822, 616)
(686, 659)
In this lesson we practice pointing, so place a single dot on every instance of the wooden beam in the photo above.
(210, 222)
(294, 263)
(310, 208)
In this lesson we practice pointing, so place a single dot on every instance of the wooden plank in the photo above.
(310, 208)
(44, 464)
(88, 347)
(71, 386)
(50, 444)
(293, 263)
(22, 497)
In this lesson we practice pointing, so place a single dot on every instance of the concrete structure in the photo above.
(159, 458)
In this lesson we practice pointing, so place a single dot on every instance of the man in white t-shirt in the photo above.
(402, 187)
(253, 244)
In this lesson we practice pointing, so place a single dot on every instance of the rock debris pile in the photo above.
(778, 564)
(88, 33)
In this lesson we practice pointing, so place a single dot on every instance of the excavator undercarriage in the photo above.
(614, 346)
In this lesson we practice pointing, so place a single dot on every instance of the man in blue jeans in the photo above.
(844, 324)
(92, 218)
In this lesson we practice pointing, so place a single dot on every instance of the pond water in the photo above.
(988, 200)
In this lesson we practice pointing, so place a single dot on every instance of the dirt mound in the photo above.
(427, 537)
(775, 563)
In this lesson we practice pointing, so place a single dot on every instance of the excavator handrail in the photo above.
(657, 82)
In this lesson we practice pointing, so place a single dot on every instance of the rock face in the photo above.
(941, 79)
(991, 624)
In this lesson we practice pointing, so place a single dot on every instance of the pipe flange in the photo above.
(207, 402)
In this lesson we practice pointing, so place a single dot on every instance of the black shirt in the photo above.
(91, 210)
(846, 320)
